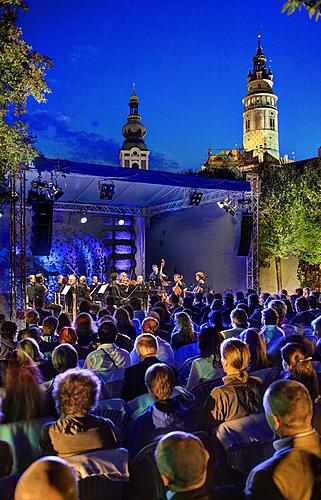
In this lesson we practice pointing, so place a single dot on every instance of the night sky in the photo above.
(189, 61)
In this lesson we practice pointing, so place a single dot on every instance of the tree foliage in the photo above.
(290, 212)
(22, 72)
(312, 6)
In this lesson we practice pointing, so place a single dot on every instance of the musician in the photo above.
(94, 289)
(71, 295)
(123, 285)
(60, 284)
(31, 290)
(40, 289)
(200, 287)
(83, 292)
(114, 289)
(156, 276)
(179, 285)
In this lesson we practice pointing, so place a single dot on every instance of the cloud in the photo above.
(57, 139)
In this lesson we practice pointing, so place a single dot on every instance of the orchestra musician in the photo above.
(83, 291)
(200, 287)
(157, 276)
(40, 289)
(94, 289)
(179, 285)
(31, 290)
(71, 295)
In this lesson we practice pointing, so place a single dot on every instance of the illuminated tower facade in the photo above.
(134, 152)
(260, 116)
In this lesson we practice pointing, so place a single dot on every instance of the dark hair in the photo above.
(39, 302)
(269, 316)
(32, 317)
(63, 320)
(166, 314)
(64, 356)
(253, 300)
(110, 300)
(244, 307)
(239, 318)
(239, 295)
(237, 354)
(312, 301)
(84, 306)
(209, 341)
(8, 330)
(300, 367)
(136, 303)
(160, 380)
(130, 310)
(107, 332)
(228, 301)
(302, 304)
(174, 299)
(84, 325)
(50, 322)
(216, 319)
(103, 312)
(217, 296)
(123, 320)
(257, 345)
(216, 305)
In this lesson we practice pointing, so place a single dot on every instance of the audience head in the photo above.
(257, 346)
(299, 292)
(84, 306)
(312, 302)
(253, 300)
(68, 335)
(209, 341)
(288, 407)
(188, 301)
(30, 347)
(228, 301)
(6, 459)
(136, 303)
(107, 332)
(283, 292)
(76, 392)
(302, 304)
(160, 381)
(244, 307)
(110, 301)
(216, 305)
(130, 311)
(269, 316)
(264, 296)
(85, 328)
(182, 461)
(239, 318)
(216, 319)
(298, 363)
(39, 303)
(48, 477)
(146, 345)
(64, 357)
(235, 357)
(239, 295)
(63, 320)
(316, 325)
(123, 318)
(9, 330)
(33, 332)
(49, 326)
(174, 299)
(280, 307)
(32, 317)
(150, 325)
(185, 326)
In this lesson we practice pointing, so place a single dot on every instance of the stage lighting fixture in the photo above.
(195, 198)
(54, 191)
(228, 205)
(1, 212)
(121, 222)
(106, 190)
(83, 219)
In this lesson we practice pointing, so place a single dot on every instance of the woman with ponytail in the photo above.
(298, 366)
(240, 395)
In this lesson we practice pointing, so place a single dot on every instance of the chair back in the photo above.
(142, 467)
(202, 391)
(185, 368)
(115, 409)
(267, 375)
(185, 352)
(24, 439)
(100, 488)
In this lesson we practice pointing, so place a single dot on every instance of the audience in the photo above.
(239, 322)
(76, 394)
(164, 350)
(124, 323)
(257, 346)
(304, 315)
(270, 330)
(7, 338)
(298, 366)
(107, 356)
(184, 333)
(294, 469)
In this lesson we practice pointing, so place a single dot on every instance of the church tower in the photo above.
(134, 152)
(260, 116)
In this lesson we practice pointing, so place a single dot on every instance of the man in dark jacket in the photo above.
(134, 382)
(294, 469)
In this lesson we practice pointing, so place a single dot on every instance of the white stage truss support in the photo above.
(252, 260)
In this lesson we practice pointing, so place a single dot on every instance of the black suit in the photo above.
(134, 382)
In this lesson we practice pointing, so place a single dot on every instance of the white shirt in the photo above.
(164, 353)
(107, 357)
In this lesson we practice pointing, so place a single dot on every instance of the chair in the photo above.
(185, 352)
(113, 380)
(24, 438)
(115, 409)
(100, 488)
(243, 443)
(202, 391)
(145, 480)
(267, 375)
(184, 370)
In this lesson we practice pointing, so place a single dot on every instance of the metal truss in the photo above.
(18, 241)
(97, 209)
(208, 197)
(252, 260)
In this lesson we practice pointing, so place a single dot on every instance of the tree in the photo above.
(312, 6)
(22, 72)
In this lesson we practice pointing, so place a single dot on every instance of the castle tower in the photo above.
(260, 116)
(134, 152)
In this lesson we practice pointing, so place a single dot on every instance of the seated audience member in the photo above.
(215, 318)
(85, 329)
(316, 327)
(189, 306)
(239, 321)
(64, 357)
(63, 320)
(68, 335)
(291, 473)
(253, 323)
(134, 380)
(6, 459)
(7, 338)
(290, 335)
(208, 365)
(227, 308)
(32, 318)
(182, 463)
(76, 394)
(49, 478)
(124, 323)
(281, 308)
(137, 306)
(110, 305)
(184, 333)
(240, 395)
(31, 347)
(304, 316)
(164, 316)
(164, 351)
(39, 307)
(174, 305)
(253, 301)
(166, 413)
(206, 308)
(270, 330)
(23, 398)
(107, 356)
(298, 366)
(49, 329)
(257, 346)
(122, 341)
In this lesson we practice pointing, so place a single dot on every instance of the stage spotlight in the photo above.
(106, 190)
(83, 219)
(195, 198)
(1, 212)
(54, 191)
(228, 205)
(121, 222)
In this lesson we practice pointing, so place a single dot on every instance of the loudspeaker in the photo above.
(245, 235)
(41, 230)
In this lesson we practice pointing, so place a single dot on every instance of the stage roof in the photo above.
(140, 189)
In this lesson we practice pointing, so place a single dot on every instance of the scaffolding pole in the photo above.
(252, 260)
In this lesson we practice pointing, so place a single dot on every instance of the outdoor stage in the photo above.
(149, 217)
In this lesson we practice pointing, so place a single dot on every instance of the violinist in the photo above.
(83, 291)
(94, 288)
(179, 285)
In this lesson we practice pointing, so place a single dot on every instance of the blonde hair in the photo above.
(237, 354)
(146, 344)
(160, 381)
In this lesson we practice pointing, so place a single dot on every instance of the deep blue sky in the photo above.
(189, 60)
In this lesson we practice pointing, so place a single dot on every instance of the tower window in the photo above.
(247, 125)
(272, 123)
(126, 163)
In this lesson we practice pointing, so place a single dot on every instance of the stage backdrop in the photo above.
(197, 239)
